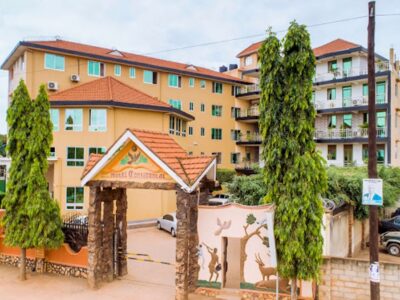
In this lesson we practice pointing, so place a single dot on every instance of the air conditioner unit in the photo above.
(52, 86)
(75, 78)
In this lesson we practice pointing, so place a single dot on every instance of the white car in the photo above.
(219, 199)
(168, 223)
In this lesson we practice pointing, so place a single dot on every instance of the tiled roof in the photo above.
(140, 60)
(187, 167)
(109, 91)
(334, 46)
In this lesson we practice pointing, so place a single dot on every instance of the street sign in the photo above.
(372, 192)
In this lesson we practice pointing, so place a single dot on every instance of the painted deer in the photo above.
(265, 272)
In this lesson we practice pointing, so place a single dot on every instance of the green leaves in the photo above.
(294, 173)
(250, 219)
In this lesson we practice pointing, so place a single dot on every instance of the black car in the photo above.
(392, 224)
(396, 213)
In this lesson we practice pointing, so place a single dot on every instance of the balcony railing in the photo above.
(348, 133)
(250, 138)
(247, 167)
(251, 112)
(252, 88)
(357, 101)
(340, 73)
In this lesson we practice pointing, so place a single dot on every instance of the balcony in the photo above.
(341, 75)
(249, 115)
(247, 168)
(349, 133)
(249, 92)
(353, 102)
(249, 139)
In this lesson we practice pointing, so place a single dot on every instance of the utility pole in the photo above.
(372, 169)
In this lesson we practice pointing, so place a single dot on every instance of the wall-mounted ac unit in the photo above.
(52, 86)
(75, 78)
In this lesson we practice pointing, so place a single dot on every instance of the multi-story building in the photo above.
(96, 93)
(340, 95)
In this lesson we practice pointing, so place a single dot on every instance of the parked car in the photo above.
(396, 213)
(391, 241)
(219, 199)
(392, 224)
(168, 223)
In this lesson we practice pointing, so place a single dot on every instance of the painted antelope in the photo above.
(265, 272)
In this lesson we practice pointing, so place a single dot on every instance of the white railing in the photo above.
(250, 137)
(347, 133)
(356, 101)
(249, 89)
(251, 112)
(248, 165)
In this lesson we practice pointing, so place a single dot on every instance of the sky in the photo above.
(148, 26)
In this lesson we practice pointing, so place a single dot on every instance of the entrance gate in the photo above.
(144, 160)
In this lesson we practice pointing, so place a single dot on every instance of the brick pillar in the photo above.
(122, 206)
(182, 244)
(108, 231)
(94, 238)
(193, 266)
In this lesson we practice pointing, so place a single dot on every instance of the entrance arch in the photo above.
(144, 160)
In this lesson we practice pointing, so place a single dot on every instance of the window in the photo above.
(191, 106)
(331, 94)
(97, 120)
(201, 153)
(175, 103)
(235, 134)
(217, 88)
(132, 72)
(219, 156)
(190, 130)
(97, 150)
(202, 107)
(332, 121)
(202, 84)
(52, 152)
(346, 95)
(347, 120)
(74, 198)
(191, 82)
(332, 66)
(95, 68)
(331, 152)
(347, 66)
(365, 89)
(174, 80)
(183, 128)
(178, 126)
(313, 97)
(235, 112)
(73, 119)
(380, 153)
(216, 110)
(248, 60)
(365, 118)
(117, 70)
(149, 77)
(55, 118)
(190, 153)
(171, 124)
(216, 133)
(380, 92)
(54, 62)
(381, 119)
(202, 131)
(75, 156)
(235, 158)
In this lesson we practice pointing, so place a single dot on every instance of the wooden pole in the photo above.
(372, 169)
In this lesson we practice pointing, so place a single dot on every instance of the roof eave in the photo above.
(348, 51)
(12, 56)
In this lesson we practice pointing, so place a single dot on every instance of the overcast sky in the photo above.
(146, 26)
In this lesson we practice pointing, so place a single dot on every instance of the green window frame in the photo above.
(202, 84)
(191, 106)
(332, 66)
(73, 119)
(347, 66)
(191, 82)
(74, 198)
(202, 131)
(346, 92)
(75, 156)
(332, 119)
(347, 121)
(117, 70)
(331, 94)
(235, 134)
(365, 90)
(190, 130)
(55, 118)
(132, 73)
(54, 62)
(380, 153)
(216, 133)
(216, 110)
(95, 68)
(202, 107)
(381, 119)
(235, 157)
(174, 81)
(97, 150)
(98, 119)
(217, 87)
(175, 103)
(149, 77)
(380, 92)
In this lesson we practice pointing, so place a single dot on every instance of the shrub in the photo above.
(248, 190)
(225, 175)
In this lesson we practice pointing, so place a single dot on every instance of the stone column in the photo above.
(122, 206)
(94, 237)
(193, 237)
(108, 232)
(181, 273)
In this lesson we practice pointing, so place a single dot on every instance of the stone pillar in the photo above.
(94, 237)
(203, 197)
(193, 237)
(122, 206)
(108, 232)
(181, 272)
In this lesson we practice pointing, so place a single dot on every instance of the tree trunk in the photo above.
(22, 265)
(293, 287)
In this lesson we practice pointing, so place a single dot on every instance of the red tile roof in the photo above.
(187, 167)
(111, 91)
(249, 50)
(104, 53)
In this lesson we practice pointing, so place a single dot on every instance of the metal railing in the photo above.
(347, 133)
(247, 165)
(249, 89)
(251, 112)
(250, 137)
(353, 102)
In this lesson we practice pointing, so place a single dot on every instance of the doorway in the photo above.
(231, 265)
(348, 154)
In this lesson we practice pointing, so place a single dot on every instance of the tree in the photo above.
(248, 190)
(294, 172)
(16, 219)
(3, 144)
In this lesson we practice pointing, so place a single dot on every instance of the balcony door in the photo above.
(348, 154)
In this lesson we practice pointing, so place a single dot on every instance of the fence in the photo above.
(76, 230)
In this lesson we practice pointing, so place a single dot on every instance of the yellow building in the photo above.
(97, 93)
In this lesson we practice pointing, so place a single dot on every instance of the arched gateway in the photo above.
(144, 160)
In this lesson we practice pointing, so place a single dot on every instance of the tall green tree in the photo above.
(16, 219)
(294, 172)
